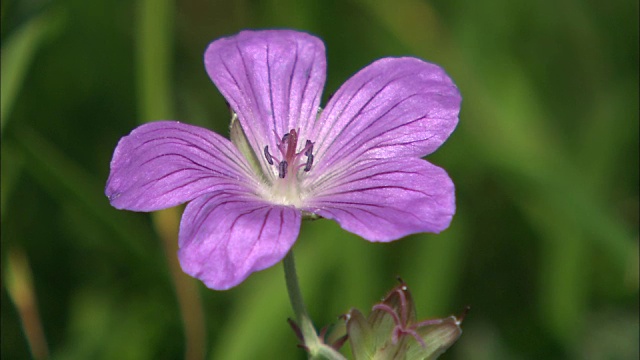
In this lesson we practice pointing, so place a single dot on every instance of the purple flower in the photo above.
(357, 161)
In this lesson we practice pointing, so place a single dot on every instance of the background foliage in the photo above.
(544, 246)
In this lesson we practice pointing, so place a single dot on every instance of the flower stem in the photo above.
(317, 349)
(295, 296)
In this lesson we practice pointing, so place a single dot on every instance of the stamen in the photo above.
(267, 155)
(307, 166)
(282, 169)
(309, 147)
(287, 147)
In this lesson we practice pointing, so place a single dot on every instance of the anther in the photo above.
(309, 146)
(267, 155)
(282, 169)
(285, 137)
(307, 166)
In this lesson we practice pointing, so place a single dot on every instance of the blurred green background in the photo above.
(544, 245)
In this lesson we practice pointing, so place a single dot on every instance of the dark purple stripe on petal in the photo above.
(164, 164)
(290, 94)
(405, 104)
(184, 138)
(383, 200)
(273, 80)
(362, 206)
(225, 237)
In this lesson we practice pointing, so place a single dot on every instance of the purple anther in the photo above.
(267, 155)
(282, 169)
(307, 166)
(309, 146)
(285, 137)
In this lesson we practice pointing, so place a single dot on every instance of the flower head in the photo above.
(357, 161)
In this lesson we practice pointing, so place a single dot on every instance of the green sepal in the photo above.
(306, 215)
(437, 338)
(361, 337)
(239, 139)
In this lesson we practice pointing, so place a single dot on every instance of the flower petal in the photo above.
(166, 163)
(393, 107)
(383, 200)
(226, 236)
(273, 79)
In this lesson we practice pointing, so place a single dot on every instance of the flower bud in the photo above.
(392, 332)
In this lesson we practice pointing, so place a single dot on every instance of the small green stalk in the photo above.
(317, 349)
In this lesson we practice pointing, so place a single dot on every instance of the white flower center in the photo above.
(286, 188)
